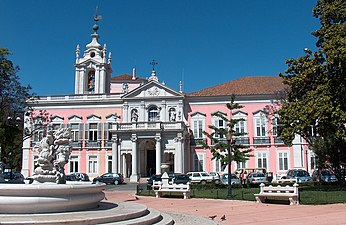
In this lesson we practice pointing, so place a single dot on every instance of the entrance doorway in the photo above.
(151, 162)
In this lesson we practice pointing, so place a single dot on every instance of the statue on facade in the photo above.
(172, 115)
(53, 153)
(134, 115)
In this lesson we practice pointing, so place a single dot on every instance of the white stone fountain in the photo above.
(49, 200)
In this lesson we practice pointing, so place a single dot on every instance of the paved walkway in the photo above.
(240, 212)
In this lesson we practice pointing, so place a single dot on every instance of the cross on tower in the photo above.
(97, 17)
(153, 63)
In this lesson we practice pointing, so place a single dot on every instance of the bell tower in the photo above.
(92, 74)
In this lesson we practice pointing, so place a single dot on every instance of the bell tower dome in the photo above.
(92, 75)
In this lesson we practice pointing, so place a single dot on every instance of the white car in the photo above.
(202, 178)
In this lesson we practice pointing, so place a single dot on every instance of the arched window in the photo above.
(91, 82)
(153, 113)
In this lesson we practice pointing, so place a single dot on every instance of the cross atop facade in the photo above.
(153, 63)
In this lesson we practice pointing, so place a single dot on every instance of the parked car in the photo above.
(151, 180)
(109, 178)
(234, 179)
(300, 175)
(72, 177)
(202, 178)
(12, 176)
(177, 178)
(256, 178)
(79, 176)
(325, 176)
(181, 179)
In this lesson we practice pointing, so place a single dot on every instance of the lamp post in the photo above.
(229, 149)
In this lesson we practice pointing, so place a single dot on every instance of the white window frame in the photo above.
(198, 125)
(278, 156)
(199, 158)
(216, 122)
(242, 164)
(75, 131)
(73, 159)
(241, 125)
(109, 163)
(93, 162)
(217, 165)
(260, 156)
(261, 122)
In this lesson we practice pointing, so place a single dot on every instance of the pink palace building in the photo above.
(134, 126)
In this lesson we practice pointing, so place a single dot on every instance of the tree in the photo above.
(219, 146)
(13, 103)
(314, 106)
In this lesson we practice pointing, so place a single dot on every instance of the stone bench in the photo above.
(165, 186)
(289, 192)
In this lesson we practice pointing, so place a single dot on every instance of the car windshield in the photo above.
(302, 173)
(325, 173)
(258, 175)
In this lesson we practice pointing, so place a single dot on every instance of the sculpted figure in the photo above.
(53, 153)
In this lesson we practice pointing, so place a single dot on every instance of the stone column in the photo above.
(178, 160)
(158, 153)
(134, 174)
(142, 112)
(115, 154)
(126, 113)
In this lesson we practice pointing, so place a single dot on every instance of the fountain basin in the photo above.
(49, 197)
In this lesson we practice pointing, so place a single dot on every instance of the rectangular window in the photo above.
(109, 164)
(262, 160)
(199, 162)
(92, 164)
(240, 127)
(242, 164)
(219, 123)
(198, 129)
(217, 166)
(92, 131)
(260, 127)
(275, 126)
(111, 126)
(74, 164)
(283, 160)
(74, 131)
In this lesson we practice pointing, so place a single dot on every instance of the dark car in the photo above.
(151, 180)
(325, 176)
(72, 177)
(180, 179)
(177, 178)
(109, 178)
(78, 176)
(13, 176)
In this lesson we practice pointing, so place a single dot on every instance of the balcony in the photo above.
(242, 141)
(261, 141)
(148, 126)
(197, 141)
(278, 141)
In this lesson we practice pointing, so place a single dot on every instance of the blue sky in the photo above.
(201, 42)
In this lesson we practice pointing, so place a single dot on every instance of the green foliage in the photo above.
(314, 106)
(219, 144)
(13, 102)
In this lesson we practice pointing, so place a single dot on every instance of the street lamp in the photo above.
(229, 149)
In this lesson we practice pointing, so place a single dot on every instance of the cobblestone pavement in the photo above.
(197, 211)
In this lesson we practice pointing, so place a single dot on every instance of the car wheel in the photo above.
(116, 182)
(217, 181)
(203, 182)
